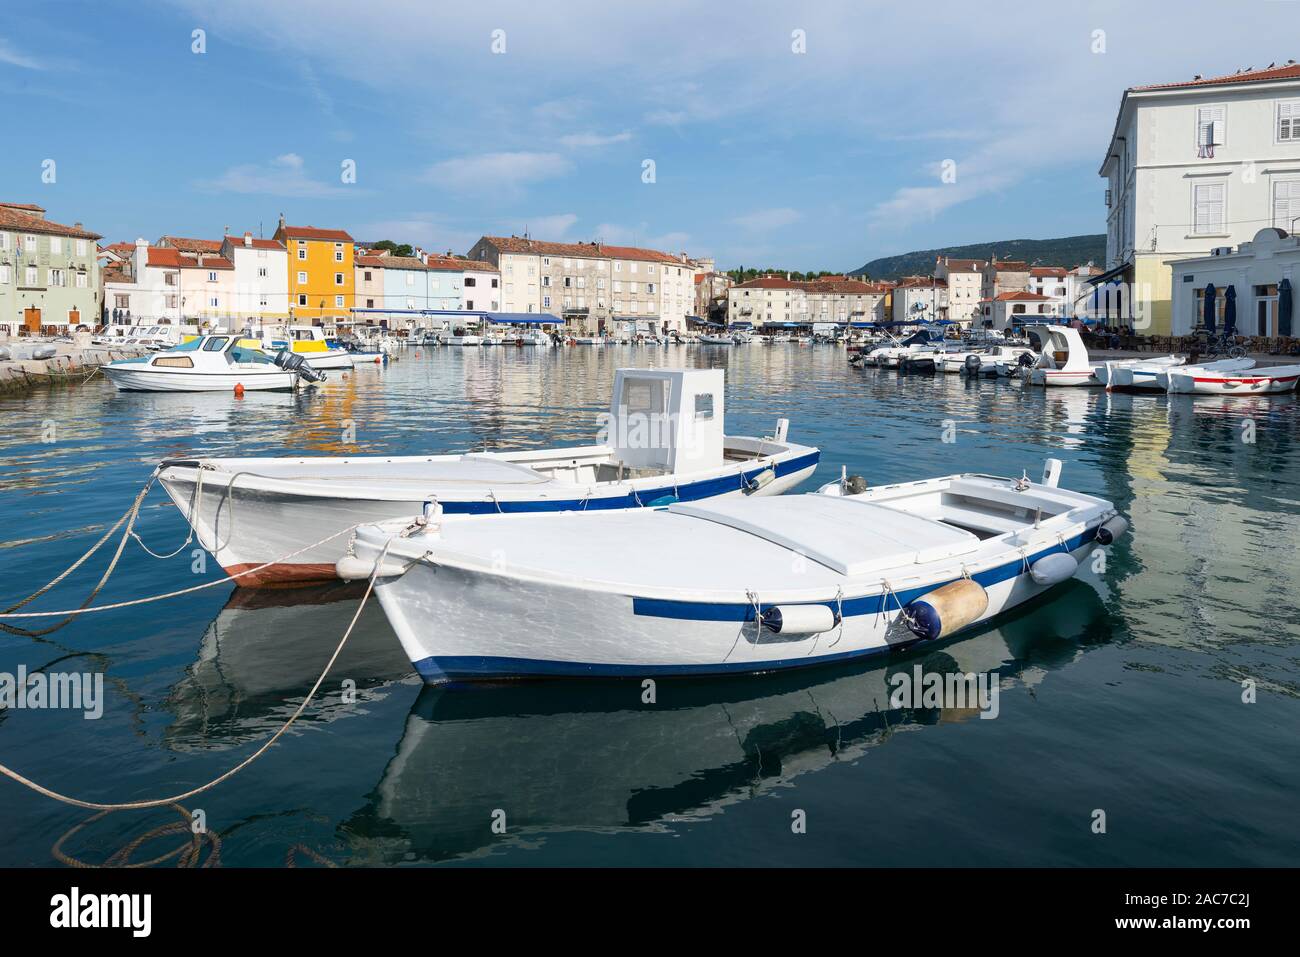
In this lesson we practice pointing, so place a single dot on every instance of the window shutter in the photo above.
(1287, 115)
(1209, 208)
(1210, 125)
(1286, 203)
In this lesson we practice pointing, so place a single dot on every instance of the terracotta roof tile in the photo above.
(238, 241)
(1288, 71)
(538, 247)
(187, 245)
(311, 232)
(168, 257)
(18, 221)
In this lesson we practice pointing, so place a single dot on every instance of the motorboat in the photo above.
(212, 363)
(889, 355)
(1220, 365)
(459, 336)
(1254, 381)
(1064, 360)
(725, 587)
(589, 340)
(662, 441)
(707, 339)
(1139, 376)
(984, 360)
(310, 343)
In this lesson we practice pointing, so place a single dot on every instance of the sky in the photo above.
(806, 136)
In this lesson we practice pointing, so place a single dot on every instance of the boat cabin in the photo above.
(667, 420)
(1063, 349)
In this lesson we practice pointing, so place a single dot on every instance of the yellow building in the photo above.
(322, 277)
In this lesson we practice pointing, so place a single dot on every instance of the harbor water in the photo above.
(1147, 713)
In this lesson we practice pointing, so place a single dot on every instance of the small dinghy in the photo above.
(1139, 375)
(211, 364)
(1222, 365)
(1252, 381)
(726, 586)
(663, 441)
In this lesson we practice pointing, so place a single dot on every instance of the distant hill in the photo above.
(1068, 251)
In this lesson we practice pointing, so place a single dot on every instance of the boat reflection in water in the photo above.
(590, 756)
(261, 655)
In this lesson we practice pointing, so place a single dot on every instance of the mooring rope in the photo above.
(176, 798)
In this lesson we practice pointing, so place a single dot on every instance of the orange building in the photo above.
(322, 277)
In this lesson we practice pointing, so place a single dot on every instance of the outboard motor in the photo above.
(293, 362)
(1025, 360)
(972, 365)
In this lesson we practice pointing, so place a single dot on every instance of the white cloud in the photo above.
(286, 175)
(496, 172)
(765, 219)
(593, 140)
(16, 58)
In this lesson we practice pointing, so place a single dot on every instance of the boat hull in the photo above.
(145, 379)
(1062, 377)
(263, 526)
(1240, 384)
(458, 625)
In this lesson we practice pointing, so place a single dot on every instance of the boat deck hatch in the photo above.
(847, 535)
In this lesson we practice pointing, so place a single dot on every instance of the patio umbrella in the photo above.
(1230, 311)
(1209, 308)
(1284, 307)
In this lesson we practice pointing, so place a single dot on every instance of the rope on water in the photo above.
(177, 798)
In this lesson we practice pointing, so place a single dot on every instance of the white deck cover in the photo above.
(849, 536)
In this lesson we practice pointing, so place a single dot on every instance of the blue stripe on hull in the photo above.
(850, 607)
(707, 488)
(443, 668)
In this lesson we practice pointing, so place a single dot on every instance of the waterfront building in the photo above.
(1195, 166)
(841, 300)
(466, 283)
(965, 279)
(596, 287)
(322, 273)
(49, 273)
(920, 299)
(1262, 274)
(1018, 307)
(166, 284)
(999, 276)
(261, 279)
(766, 300)
(710, 287)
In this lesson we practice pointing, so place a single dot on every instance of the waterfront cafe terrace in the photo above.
(405, 320)
(1247, 293)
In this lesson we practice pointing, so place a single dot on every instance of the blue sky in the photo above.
(762, 155)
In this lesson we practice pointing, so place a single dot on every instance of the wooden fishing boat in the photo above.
(725, 587)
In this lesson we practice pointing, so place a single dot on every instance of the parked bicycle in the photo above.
(1223, 345)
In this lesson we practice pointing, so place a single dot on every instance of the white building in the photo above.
(767, 299)
(261, 279)
(165, 283)
(1193, 166)
(1261, 274)
(1017, 308)
(920, 299)
(965, 281)
(593, 286)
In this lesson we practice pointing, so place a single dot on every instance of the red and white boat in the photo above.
(1234, 382)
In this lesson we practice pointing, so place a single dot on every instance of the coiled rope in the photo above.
(177, 798)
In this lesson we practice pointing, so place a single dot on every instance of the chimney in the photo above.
(248, 239)
(282, 220)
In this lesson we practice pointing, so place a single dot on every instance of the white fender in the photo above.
(799, 619)
(1054, 568)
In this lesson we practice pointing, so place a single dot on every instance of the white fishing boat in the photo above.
(1064, 360)
(707, 339)
(662, 441)
(1221, 365)
(1254, 381)
(590, 340)
(724, 587)
(211, 364)
(308, 342)
(889, 355)
(1139, 375)
(459, 336)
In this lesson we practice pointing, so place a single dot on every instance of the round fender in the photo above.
(939, 613)
(1111, 529)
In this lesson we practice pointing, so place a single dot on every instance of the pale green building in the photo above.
(49, 274)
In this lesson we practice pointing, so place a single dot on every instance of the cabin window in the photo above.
(215, 344)
(174, 362)
(704, 407)
(644, 397)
